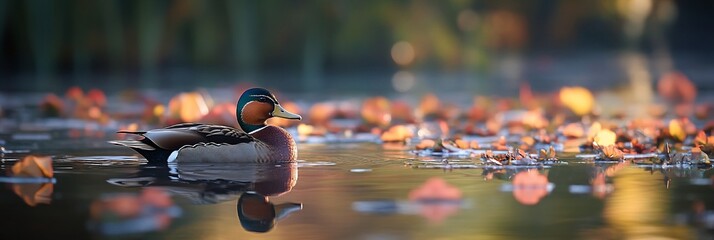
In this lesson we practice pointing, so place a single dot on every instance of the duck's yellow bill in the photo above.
(279, 111)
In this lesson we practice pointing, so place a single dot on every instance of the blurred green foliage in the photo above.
(142, 43)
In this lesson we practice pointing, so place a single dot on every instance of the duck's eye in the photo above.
(263, 99)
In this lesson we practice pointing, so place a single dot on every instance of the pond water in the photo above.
(345, 191)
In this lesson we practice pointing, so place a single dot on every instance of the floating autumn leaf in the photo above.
(426, 144)
(704, 143)
(544, 155)
(33, 166)
(188, 107)
(605, 137)
(702, 139)
(462, 144)
(376, 111)
(534, 119)
(397, 133)
(611, 152)
(578, 99)
(676, 129)
(676, 88)
(573, 130)
(527, 142)
(529, 187)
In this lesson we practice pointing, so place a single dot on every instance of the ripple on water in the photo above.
(101, 160)
(303, 163)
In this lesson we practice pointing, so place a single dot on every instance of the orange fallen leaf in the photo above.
(573, 130)
(425, 144)
(33, 166)
(397, 133)
(611, 152)
(376, 111)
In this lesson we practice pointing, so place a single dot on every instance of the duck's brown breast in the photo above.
(280, 144)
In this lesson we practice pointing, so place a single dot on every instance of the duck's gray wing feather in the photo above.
(177, 136)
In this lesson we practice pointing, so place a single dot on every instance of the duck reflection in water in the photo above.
(257, 214)
(251, 183)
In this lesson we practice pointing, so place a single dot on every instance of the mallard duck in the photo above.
(255, 141)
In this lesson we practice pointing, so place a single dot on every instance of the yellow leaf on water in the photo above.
(578, 99)
(676, 129)
(605, 137)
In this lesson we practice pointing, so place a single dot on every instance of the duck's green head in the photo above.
(256, 106)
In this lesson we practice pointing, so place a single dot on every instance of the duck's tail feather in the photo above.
(134, 144)
(131, 132)
(153, 154)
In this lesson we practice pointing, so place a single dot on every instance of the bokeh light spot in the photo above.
(403, 53)
(403, 81)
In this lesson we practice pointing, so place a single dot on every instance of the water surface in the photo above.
(346, 191)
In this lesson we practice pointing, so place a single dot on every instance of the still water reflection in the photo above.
(354, 191)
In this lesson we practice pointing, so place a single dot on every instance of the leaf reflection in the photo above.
(435, 199)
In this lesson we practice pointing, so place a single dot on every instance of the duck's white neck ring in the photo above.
(256, 130)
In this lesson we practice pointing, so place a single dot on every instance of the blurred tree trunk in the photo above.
(244, 34)
(44, 24)
(114, 34)
(149, 24)
(313, 56)
(80, 45)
